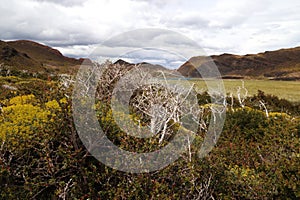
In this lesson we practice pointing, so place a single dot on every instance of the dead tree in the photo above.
(163, 102)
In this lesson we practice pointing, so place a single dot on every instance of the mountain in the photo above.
(123, 62)
(144, 65)
(283, 64)
(155, 67)
(12, 57)
(280, 64)
(32, 56)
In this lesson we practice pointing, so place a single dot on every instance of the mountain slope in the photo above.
(280, 64)
(35, 57)
(42, 53)
(144, 65)
(12, 57)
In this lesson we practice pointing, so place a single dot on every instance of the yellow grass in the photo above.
(289, 90)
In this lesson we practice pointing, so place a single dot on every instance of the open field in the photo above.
(289, 90)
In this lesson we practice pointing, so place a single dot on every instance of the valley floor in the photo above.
(283, 89)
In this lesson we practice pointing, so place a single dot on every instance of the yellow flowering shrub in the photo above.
(63, 100)
(52, 105)
(21, 120)
(24, 99)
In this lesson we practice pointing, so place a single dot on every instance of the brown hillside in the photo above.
(144, 65)
(12, 57)
(280, 64)
(35, 57)
(43, 54)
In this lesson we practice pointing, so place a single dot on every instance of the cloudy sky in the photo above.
(78, 27)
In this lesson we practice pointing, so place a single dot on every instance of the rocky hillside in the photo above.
(32, 56)
(280, 64)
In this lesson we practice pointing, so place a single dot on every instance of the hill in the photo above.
(283, 64)
(144, 65)
(32, 56)
(20, 60)
(280, 64)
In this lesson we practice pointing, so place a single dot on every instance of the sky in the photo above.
(158, 31)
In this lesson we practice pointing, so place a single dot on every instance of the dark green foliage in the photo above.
(273, 103)
(256, 157)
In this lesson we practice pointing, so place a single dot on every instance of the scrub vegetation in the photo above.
(41, 156)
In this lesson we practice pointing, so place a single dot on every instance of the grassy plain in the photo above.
(289, 90)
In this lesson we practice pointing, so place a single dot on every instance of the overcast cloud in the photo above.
(77, 27)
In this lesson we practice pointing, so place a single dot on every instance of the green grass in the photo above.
(289, 90)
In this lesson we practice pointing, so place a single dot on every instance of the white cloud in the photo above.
(219, 26)
(68, 3)
(148, 44)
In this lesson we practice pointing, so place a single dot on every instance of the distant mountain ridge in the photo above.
(144, 65)
(280, 64)
(283, 64)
